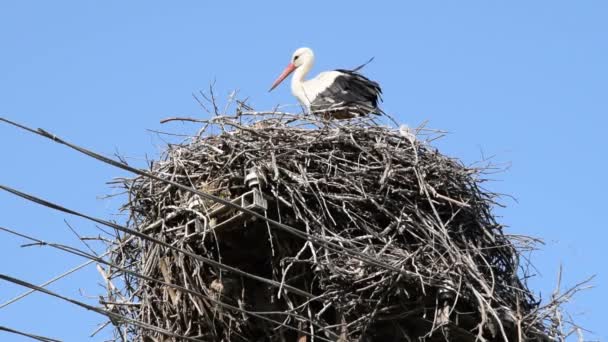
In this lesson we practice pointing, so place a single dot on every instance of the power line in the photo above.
(99, 259)
(303, 235)
(32, 336)
(107, 313)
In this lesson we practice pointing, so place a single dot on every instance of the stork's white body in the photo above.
(340, 93)
(306, 91)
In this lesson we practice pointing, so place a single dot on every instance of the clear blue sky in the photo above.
(524, 81)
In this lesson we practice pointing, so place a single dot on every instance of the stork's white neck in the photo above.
(297, 80)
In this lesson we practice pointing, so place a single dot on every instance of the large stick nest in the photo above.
(400, 241)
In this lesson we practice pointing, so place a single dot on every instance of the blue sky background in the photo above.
(525, 82)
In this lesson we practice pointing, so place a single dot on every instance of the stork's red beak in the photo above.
(290, 68)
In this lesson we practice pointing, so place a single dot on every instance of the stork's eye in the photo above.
(295, 57)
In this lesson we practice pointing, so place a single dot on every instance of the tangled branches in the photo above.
(383, 239)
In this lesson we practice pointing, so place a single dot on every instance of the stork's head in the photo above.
(301, 58)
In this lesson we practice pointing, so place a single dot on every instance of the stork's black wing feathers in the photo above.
(362, 85)
(350, 90)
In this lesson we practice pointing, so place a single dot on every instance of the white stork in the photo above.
(340, 93)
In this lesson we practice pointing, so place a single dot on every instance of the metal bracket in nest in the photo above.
(225, 218)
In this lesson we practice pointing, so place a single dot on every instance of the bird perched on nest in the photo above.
(339, 94)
